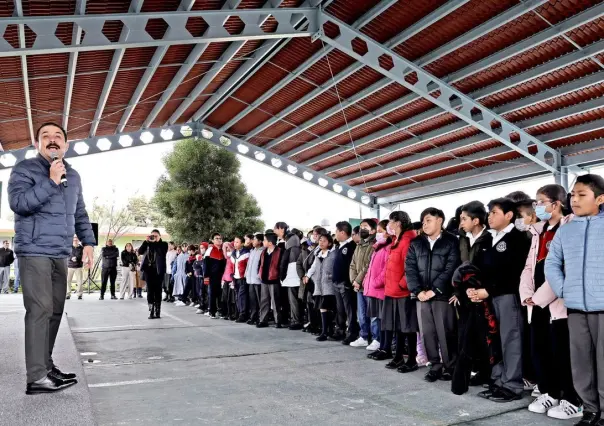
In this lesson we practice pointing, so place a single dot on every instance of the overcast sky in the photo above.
(282, 197)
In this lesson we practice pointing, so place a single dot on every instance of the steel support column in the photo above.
(449, 99)
(76, 36)
(18, 12)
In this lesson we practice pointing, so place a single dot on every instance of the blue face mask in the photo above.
(542, 214)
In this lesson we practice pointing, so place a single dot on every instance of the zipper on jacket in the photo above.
(584, 256)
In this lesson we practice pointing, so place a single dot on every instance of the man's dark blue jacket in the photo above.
(47, 215)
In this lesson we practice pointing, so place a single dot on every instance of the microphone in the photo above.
(54, 157)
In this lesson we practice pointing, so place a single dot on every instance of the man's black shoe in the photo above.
(240, 320)
(67, 297)
(262, 325)
(432, 376)
(589, 419)
(102, 297)
(373, 354)
(113, 297)
(336, 337)
(79, 297)
(347, 341)
(504, 395)
(486, 394)
(49, 385)
(58, 374)
(321, 338)
(251, 322)
(278, 325)
(295, 327)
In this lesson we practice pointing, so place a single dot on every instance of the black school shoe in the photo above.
(408, 368)
(490, 390)
(394, 364)
(49, 385)
(382, 355)
(446, 376)
(504, 395)
(262, 325)
(590, 419)
(432, 376)
(321, 338)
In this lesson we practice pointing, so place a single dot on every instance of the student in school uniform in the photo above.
(346, 298)
(430, 264)
(252, 279)
(241, 256)
(269, 275)
(574, 269)
(501, 266)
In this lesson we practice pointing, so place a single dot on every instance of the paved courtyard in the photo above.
(188, 369)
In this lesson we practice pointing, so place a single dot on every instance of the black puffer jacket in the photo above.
(110, 255)
(129, 258)
(432, 269)
(469, 253)
(76, 252)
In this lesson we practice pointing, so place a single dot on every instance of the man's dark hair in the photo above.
(370, 222)
(281, 225)
(156, 230)
(269, 231)
(271, 238)
(344, 227)
(50, 123)
(356, 229)
(417, 226)
(505, 204)
(215, 234)
(595, 183)
(250, 236)
(172, 242)
(239, 237)
(259, 237)
(432, 211)
(476, 210)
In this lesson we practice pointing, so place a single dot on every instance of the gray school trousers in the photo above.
(44, 284)
(508, 373)
(587, 358)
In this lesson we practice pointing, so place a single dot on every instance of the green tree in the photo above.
(145, 212)
(202, 193)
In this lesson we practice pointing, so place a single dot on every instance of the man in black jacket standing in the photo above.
(431, 261)
(346, 299)
(153, 267)
(74, 266)
(501, 266)
(7, 258)
(110, 254)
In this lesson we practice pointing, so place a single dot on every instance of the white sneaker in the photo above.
(207, 314)
(179, 303)
(374, 346)
(542, 404)
(565, 411)
(199, 311)
(196, 305)
(359, 343)
(536, 393)
(529, 386)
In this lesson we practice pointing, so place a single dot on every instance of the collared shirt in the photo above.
(432, 242)
(473, 238)
(345, 242)
(497, 236)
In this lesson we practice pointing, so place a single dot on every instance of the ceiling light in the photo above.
(186, 131)
(8, 160)
(307, 175)
(125, 141)
(323, 182)
(276, 162)
(225, 141)
(166, 134)
(81, 148)
(146, 137)
(103, 144)
(260, 156)
(207, 134)
(351, 193)
(243, 149)
(292, 169)
(337, 187)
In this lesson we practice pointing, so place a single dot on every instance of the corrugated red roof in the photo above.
(48, 79)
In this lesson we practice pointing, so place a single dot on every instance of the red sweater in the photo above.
(396, 282)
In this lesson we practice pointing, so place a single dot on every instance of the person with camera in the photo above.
(75, 266)
(129, 261)
(153, 268)
(109, 253)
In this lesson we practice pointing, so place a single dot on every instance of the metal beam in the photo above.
(316, 57)
(47, 42)
(98, 144)
(76, 35)
(552, 93)
(503, 55)
(447, 149)
(118, 55)
(461, 41)
(352, 69)
(572, 157)
(226, 56)
(262, 55)
(450, 99)
(158, 56)
(18, 12)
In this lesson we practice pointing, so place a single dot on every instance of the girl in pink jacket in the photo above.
(374, 282)
(547, 316)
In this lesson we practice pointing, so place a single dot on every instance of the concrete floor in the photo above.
(188, 369)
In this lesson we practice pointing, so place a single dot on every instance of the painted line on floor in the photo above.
(135, 382)
(175, 318)
(113, 327)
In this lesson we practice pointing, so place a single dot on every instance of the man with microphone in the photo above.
(45, 194)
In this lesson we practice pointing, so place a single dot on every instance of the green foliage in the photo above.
(145, 212)
(203, 193)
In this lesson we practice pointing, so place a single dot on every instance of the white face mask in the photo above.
(520, 225)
